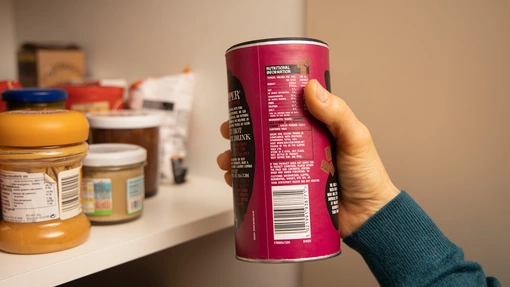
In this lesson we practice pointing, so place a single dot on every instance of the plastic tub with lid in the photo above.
(113, 182)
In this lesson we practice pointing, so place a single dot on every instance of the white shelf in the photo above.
(175, 215)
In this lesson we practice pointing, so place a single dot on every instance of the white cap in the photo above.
(114, 155)
(124, 119)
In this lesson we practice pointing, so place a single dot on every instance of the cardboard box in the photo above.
(43, 66)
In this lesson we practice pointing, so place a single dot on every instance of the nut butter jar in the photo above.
(40, 180)
(131, 127)
(113, 182)
(34, 99)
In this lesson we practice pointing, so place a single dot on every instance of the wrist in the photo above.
(356, 214)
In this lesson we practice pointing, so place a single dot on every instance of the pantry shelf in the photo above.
(177, 214)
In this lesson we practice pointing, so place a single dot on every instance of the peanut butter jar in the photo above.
(40, 180)
(113, 183)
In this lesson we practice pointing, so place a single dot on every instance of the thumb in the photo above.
(349, 133)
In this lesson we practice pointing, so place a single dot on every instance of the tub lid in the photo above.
(125, 119)
(110, 154)
(34, 95)
(278, 41)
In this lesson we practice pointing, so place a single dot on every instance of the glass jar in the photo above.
(40, 179)
(113, 182)
(132, 127)
(34, 99)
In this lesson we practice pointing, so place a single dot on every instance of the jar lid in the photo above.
(124, 119)
(110, 154)
(31, 128)
(34, 95)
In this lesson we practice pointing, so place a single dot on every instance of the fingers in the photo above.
(347, 130)
(228, 178)
(225, 131)
(223, 160)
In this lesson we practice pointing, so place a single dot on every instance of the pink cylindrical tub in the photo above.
(284, 181)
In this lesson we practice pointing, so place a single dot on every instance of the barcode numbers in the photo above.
(291, 212)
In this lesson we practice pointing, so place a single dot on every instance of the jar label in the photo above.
(28, 197)
(69, 182)
(91, 107)
(97, 196)
(135, 193)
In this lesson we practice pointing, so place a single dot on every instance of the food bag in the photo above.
(171, 95)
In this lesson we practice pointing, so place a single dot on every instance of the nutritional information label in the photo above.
(290, 127)
(28, 197)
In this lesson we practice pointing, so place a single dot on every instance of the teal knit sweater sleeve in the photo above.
(403, 247)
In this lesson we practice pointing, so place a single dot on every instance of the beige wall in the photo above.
(8, 68)
(431, 79)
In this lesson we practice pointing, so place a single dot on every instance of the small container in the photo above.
(113, 182)
(132, 127)
(92, 98)
(40, 179)
(34, 99)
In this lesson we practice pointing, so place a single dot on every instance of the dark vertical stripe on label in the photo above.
(242, 144)
(327, 80)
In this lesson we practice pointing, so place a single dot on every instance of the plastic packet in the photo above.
(171, 95)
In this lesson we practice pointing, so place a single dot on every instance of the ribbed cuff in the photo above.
(400, 243)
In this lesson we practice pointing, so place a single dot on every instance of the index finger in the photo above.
(225, 131)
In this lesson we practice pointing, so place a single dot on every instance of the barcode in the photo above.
(69, 193)
(291, 212)
(135, 205)
(135, 194)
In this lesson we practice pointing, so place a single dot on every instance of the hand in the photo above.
(365, 186)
